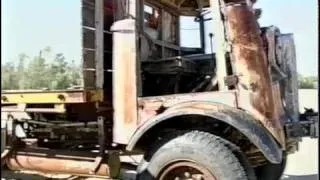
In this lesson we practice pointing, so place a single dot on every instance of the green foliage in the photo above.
(40, 72)
(310, 82)
(9, 77)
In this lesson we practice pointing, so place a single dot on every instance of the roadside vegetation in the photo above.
(45, 71)
(54, 71)
(308, 82)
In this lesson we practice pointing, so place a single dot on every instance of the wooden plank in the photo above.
(163, 31)
(87, 15)
(160, 5)
(99, 45)
(220, 39)
(180, 3)
(169, 3)
(88, 63)
(139, 31)
(132, 8)
(165, 44)
(88, 42)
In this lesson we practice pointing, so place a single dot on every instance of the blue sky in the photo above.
(30, 25)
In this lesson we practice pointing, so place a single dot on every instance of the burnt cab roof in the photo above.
(191, 7)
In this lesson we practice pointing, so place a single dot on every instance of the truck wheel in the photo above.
(192, 155)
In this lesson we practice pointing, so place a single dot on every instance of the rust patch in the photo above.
(150, 107)
(42, 162)
(256, 94)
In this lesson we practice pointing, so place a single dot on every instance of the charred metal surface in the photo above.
(251, 65)
(102, 135)
(286, 53)
(172, 65)
(150, 107)
(44, 161)
(231, 80)
(238, 119)
(277, 75)
(309, 120)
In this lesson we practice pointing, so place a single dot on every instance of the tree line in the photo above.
(40, 72)
(308, 82)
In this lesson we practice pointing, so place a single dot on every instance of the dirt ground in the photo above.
(303, 165)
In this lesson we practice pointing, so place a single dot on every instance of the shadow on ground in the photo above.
(300, 177)
(13, 175)
(8, 175)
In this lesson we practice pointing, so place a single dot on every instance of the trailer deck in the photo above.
(45, 97)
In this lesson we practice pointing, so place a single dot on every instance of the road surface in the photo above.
(303, 165)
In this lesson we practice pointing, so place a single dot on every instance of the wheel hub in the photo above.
(185, 171)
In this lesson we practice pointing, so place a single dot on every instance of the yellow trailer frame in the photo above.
(51, 97)
(19, 101)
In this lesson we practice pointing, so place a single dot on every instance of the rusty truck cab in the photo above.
(237, 74)
(247, 81)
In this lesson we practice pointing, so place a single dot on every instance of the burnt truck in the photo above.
(231, 113)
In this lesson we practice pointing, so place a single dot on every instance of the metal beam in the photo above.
(220, 40)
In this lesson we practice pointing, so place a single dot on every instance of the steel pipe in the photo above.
(51, 162)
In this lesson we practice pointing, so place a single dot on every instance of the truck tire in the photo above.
(194, 154)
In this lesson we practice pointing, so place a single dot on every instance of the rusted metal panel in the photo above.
(150, 107)
(250, 62)
(124, 79)
(52, 162)
(286, 53)
(276, 74)
(238, 119)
